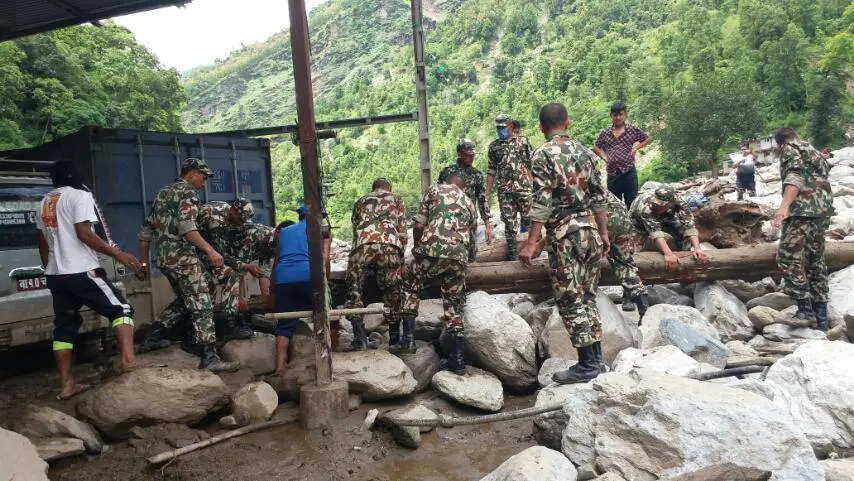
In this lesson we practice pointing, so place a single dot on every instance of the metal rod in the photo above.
(140, 157)
(301, 49)
(421, 95)
(234, 167)
(202, 150)
(275, 316)
(333, 124)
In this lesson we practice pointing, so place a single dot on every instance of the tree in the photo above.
(701, 117)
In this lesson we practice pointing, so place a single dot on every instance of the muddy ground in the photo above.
(344, 452)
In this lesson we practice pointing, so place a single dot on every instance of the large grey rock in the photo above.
(724, 311)
(701, 347)
(839, 469)
(539, 317)
(778, 348)
(756, 386)
(374, 374)
(423, 363)
(54, 449)
(19, 460)
(476, 388)
(152, 395)
(373, 321)
(667, 359)
(523, 309)
(500, 342)
(258, 354)
(407, 436)
(536, 463)
(551, 366)
(784, 332)
(741, 349)
(610, 477)
(43, 422)
(775, 300)
(614, 293)
(548, 427)
(430, 320)
(746, 291)
(255, 401)
(761, 316)
(814, 386)
(663, 295)
(648, 426)
(840, 284)
(650, 330)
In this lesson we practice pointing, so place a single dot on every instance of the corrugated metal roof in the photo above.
(19, 18)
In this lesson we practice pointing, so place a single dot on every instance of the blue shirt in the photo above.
(292, 266)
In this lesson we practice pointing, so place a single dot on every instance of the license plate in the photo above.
(32, 284)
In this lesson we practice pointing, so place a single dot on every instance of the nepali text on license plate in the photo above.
(32, 284)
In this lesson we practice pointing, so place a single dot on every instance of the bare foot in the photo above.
(71, 391)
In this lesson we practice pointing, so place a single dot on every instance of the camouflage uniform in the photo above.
(510, 163)
(476, 190)
(174, 214)
(448, 215)
(675, 222)
(801, 252)
(567, 190)
(379, 240)
(625, 241)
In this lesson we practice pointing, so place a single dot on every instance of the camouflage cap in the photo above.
(466, 144)
(502, 120)
(196, 164)
(244, 206)
(664, 196)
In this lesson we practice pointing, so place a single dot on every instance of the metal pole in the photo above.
(301, 48)
(274, 316)
(421, 94)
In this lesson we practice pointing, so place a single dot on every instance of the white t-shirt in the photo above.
(60, 209)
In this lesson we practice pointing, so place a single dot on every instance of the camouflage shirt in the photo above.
(448, 215)
(510, 162)
(475, 188)
(805, 168)
(619, 221)
(379, 218)
(173, 215)
(567, 186)
(646, 220)
(253, 242)
(226, 239)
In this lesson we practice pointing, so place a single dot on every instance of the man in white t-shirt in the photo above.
(68, 247)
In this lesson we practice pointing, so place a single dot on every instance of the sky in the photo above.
(205, 30)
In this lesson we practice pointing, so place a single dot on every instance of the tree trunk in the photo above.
(715, 166)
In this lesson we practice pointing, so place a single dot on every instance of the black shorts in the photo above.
(92, 289)
(290, 298)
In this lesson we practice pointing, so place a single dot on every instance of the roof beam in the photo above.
(82, 15)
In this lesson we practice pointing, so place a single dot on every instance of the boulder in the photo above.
(814, 385)
(500, 342)
(724, 311)
(536, 463)
(298, 373)
(407, 436)
(648, 426)
(152, 395)
(840, 298)
(19, 460)
(430, 320)
(767, 346)
(761, 316)
(784, 332)
(775, 300)
(839, 172)
(257, 354)
(667, 359)
(756, 386)
(539, 317)
(423, 363)
(43, 422)
(54, 449)
(839, 469)
(551, 366)
(614, 293)
(523, 309)
(650, 330)
(373, 321)
(476, 388)
(741, 349)
(746, 291)
(374, 374)
(255, 401)
(701, 347)
(663, 295)
(548, 427)
(610, 477)
(554, 340)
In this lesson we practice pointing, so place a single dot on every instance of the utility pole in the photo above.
(421, 94)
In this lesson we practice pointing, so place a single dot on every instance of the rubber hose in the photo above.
(728, 372)
(449, 421)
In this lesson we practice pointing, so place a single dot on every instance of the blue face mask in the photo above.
(503, 133)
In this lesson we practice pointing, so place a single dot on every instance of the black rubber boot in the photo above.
(212, 362)
(586, 369)
(805, 311)
(360, 337)
(393, 333)
(235, 328)
(628, 302)
(820, 310)
(406, 342)
(455, 362)
(158, 338)
(642, 301)
(600, 358)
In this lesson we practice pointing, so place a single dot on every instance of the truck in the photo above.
(124, 169)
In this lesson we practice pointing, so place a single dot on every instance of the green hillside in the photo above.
(703, 62)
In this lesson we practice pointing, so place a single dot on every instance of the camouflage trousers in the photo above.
(386, 262)
(621, 256)
(574, 262)
(513, 205)
(229, 281)
(191, 285)
(452, 277)
(801, 257)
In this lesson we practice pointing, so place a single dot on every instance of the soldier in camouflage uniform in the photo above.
(510, 161)
(441, 235)
(625, 241)
(172, 223)
(661, 214)
(568, 198)
(379, 239)
(475, 189)
(805, 216)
